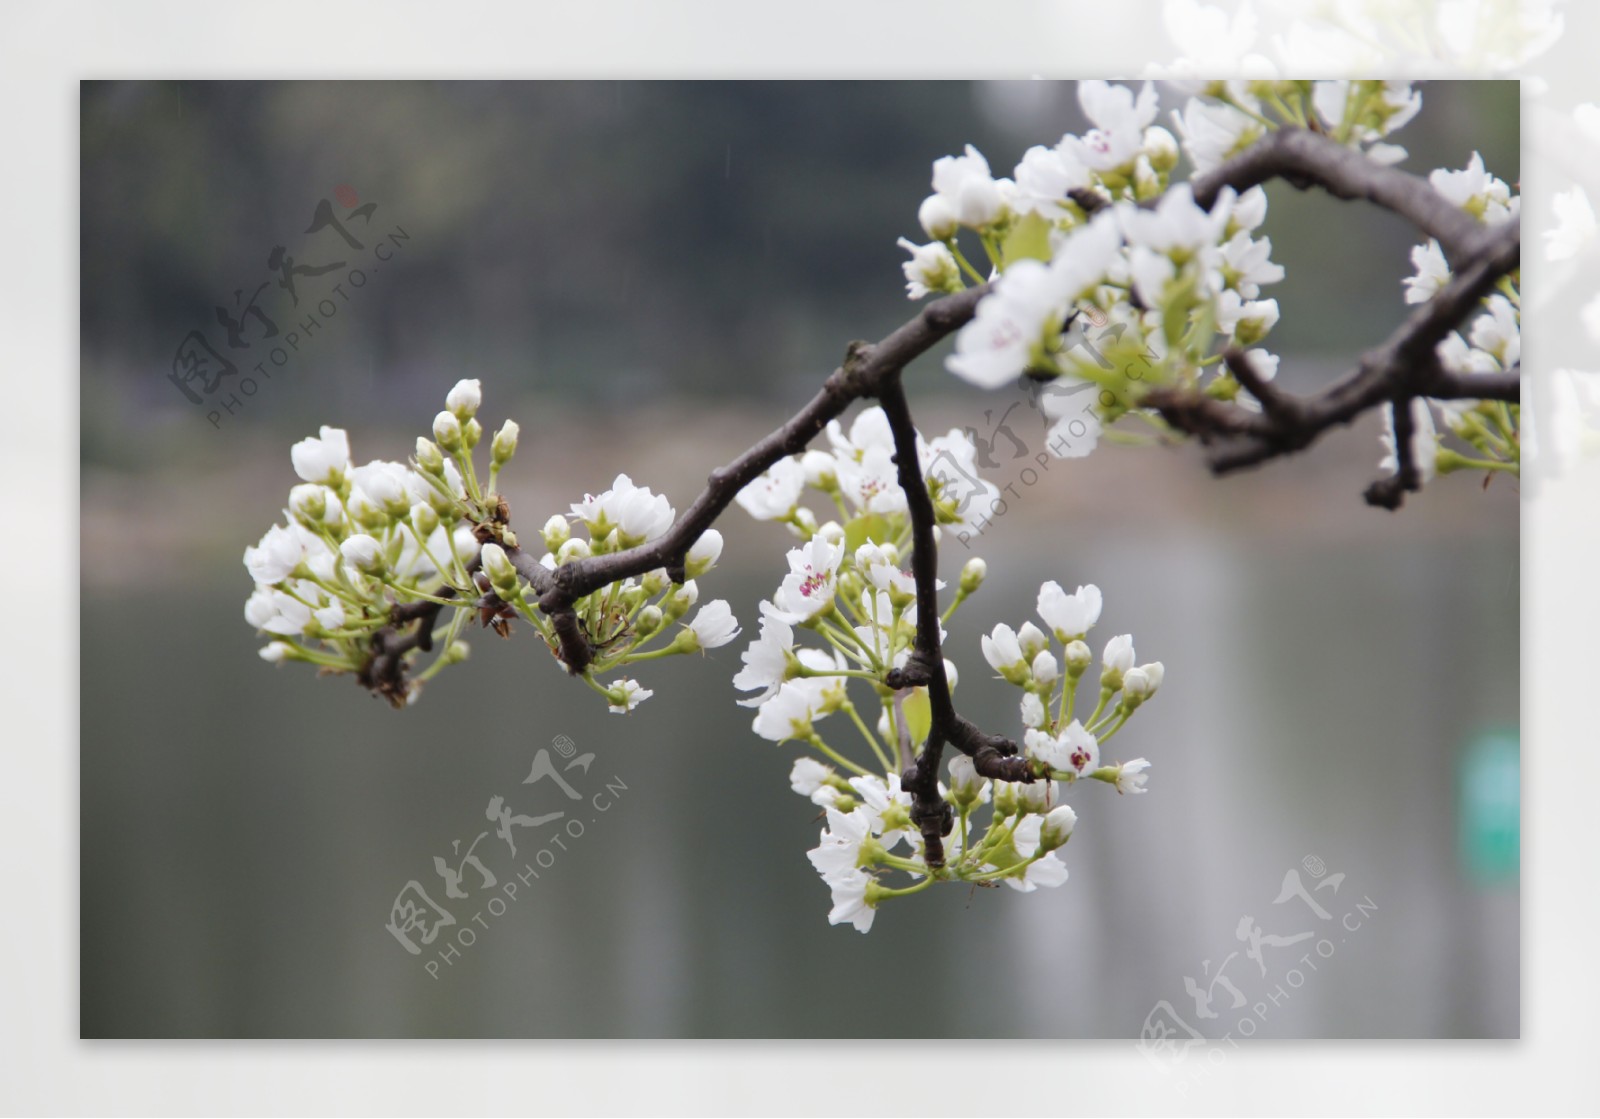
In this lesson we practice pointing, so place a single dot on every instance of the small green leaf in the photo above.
(919, 714)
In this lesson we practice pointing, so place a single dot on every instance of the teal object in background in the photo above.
(1491, 807)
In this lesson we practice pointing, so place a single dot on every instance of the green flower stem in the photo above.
(833, 755)
(888, 892)
(966, 266)
(872, 739)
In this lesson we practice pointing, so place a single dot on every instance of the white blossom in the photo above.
(625, 695)
(1002, 649)
(967, 188)
(850, 901)
(1212, 132)
(809, 588)
(775, 492)
(277, 554)
(324, 459)
(1069, 615)
(786, 714)
(1118, 655)
(464, 399)
(714, 625)
(932, 269)
(1432, 272)
(840, 850)
(1131, 776)
(1575, 224)
(1074, 750)
(766, 660)
(1476, 191)
(1120, 119)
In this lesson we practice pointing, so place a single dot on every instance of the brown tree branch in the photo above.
(1404, 366)
(1304, 158)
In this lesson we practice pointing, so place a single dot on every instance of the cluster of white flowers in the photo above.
(1490, 343)
(362, 541)
(1167, 284)
(869, 815)
(1419, 37)
(848, 587)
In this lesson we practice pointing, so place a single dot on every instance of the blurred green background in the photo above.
(648, 277)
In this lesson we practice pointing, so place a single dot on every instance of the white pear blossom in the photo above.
(872, 481)
(1575, 224)
(1476, 191)
(1213, 132)
(850, 900)
(774, 493)
(1432, 272)
(787, 713)
(1120, 119)
(968, 189)
(714, 625)
(811, 584)
(767, 659)
(932, 269)
(625, 695)
(1074, 751)
(1002, 650)
(809, 778)
(704, 554)
(1131, 776)
(840, 849)
(1072, 615)
(1118, 654)
(323, 459)
(1044, 177)
(1498, 331)
(465, 398)
(277, 554)
(878, 797)
(1033, 712)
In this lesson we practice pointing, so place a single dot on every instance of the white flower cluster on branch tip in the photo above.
(870, 835)
(367, 547)
(1488, 431)
(1108, 275)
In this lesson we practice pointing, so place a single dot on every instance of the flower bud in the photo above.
(447, 430)
(704, 555)
(276, 652)
(1116, 660)
(1037, 796)
(821, 470)
(676, 604)
(465, 399)
(309, 503)
(804, 521)
(429, 458)
(1045, 669)
(556, 532)
(972, 574)
(363, 553)
(505, 443)
(424, 519)
(832, 532)
(1032, 640)
(471, 432)
(966, 787)
(937, 217)
(458, 652)
(497, 565)
(1057, 827)
(648, 621)
(1079, 657)
(1161, 149)
(654, 581)
(574, 549)
(1033, 712)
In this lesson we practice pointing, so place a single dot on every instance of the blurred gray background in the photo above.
(648, 277)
